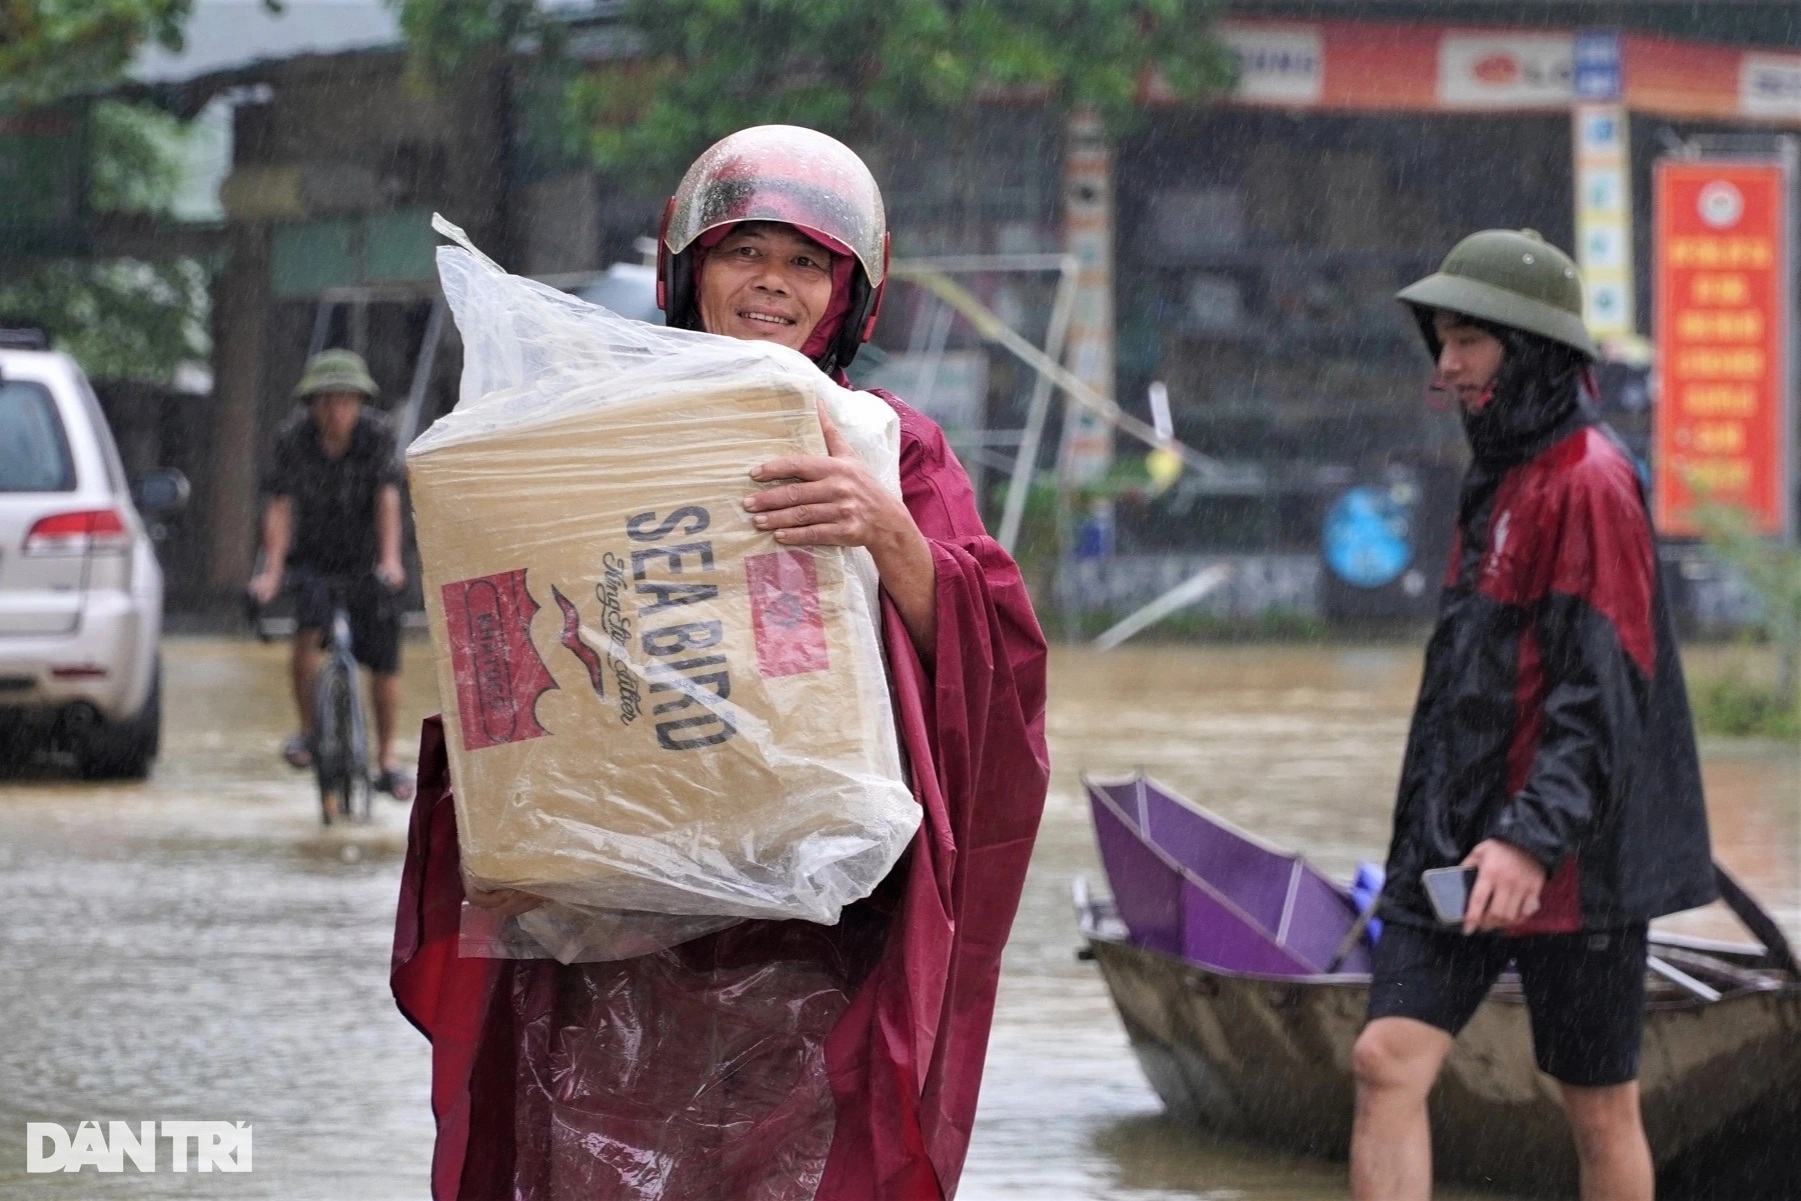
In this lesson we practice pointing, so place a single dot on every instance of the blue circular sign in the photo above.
(1367, 537)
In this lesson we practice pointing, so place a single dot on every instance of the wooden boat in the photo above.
(1241, 990)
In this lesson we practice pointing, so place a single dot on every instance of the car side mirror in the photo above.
(160, 494)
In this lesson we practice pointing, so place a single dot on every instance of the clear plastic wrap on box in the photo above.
(659, 719)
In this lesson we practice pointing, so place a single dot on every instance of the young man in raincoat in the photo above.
(1552, 748)
(775, 1061)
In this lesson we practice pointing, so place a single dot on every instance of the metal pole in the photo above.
(359, 326)
(1025, 462)
(422, 369)
(321, 328)
(993, 329)
(934, 356)
(1188, 592)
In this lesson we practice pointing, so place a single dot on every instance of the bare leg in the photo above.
(1610, 1142)
(308, 655)
(305, 667)
(384, 696)
(1396, 1061)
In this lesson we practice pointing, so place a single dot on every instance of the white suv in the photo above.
(81, 593)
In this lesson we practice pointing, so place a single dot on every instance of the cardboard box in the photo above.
(649, 704)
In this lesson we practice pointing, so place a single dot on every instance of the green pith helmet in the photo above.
(1512, 277)
(335, 371)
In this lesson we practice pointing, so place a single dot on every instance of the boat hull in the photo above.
(1269, 1059)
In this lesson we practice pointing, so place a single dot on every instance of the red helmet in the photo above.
(796, 176)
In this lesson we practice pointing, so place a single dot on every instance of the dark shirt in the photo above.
(334, 499)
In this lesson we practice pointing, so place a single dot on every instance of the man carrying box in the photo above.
(786, 1061)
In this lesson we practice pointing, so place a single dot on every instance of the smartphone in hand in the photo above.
(1448, 890)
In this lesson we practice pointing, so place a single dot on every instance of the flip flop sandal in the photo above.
(396, 784)
(295, 753)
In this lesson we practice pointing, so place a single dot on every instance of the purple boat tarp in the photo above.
(1189, 884)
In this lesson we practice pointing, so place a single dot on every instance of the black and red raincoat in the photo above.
(1552, 714)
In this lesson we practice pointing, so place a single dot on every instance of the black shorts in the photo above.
(374, 614)
(1585, 991)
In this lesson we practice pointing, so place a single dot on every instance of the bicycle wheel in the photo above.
(359, 785)
(338, 750)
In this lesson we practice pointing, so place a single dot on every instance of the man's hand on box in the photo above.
(834, 500)
(502, 902)
(828, 500)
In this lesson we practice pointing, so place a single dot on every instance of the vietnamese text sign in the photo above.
(1604, 219)
(1723, 303)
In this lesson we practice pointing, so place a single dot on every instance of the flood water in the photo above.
(197, 947)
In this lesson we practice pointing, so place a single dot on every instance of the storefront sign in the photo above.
(1604, 219)
(1276, 65)
(1724, 299)
(1770, 85)
(308, 258)
(1597, 63)
(42, 177)
(1500, 71)
(1419, 66)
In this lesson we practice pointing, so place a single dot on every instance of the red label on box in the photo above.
(499, 674)
(784, 611)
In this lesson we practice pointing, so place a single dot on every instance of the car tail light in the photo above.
(95, 531)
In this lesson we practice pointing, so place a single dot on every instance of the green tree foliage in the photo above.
(122, 318)
(1774, 573)
(1732, 704)
(448, 37)
(54, 48)
(708, 67)
(119, 318)
(134, 158)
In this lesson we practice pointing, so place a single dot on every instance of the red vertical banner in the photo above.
(1723, 304)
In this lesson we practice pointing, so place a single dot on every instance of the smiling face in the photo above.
(765, 282)
(1469, 358)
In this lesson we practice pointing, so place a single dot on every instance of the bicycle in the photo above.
(340, 742)
(340, 727)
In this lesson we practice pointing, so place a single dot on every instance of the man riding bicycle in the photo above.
(331, 530)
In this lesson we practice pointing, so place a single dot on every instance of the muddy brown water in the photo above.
(196, 947)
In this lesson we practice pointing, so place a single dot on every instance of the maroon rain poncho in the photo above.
(696, 1072)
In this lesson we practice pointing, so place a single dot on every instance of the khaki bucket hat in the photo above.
(1511, 277)
(335, 371)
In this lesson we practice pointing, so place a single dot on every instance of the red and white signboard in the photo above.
(1769, 85)
(1411, 66)
(1277, 64)
(1723, 300)
(1503, 71)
